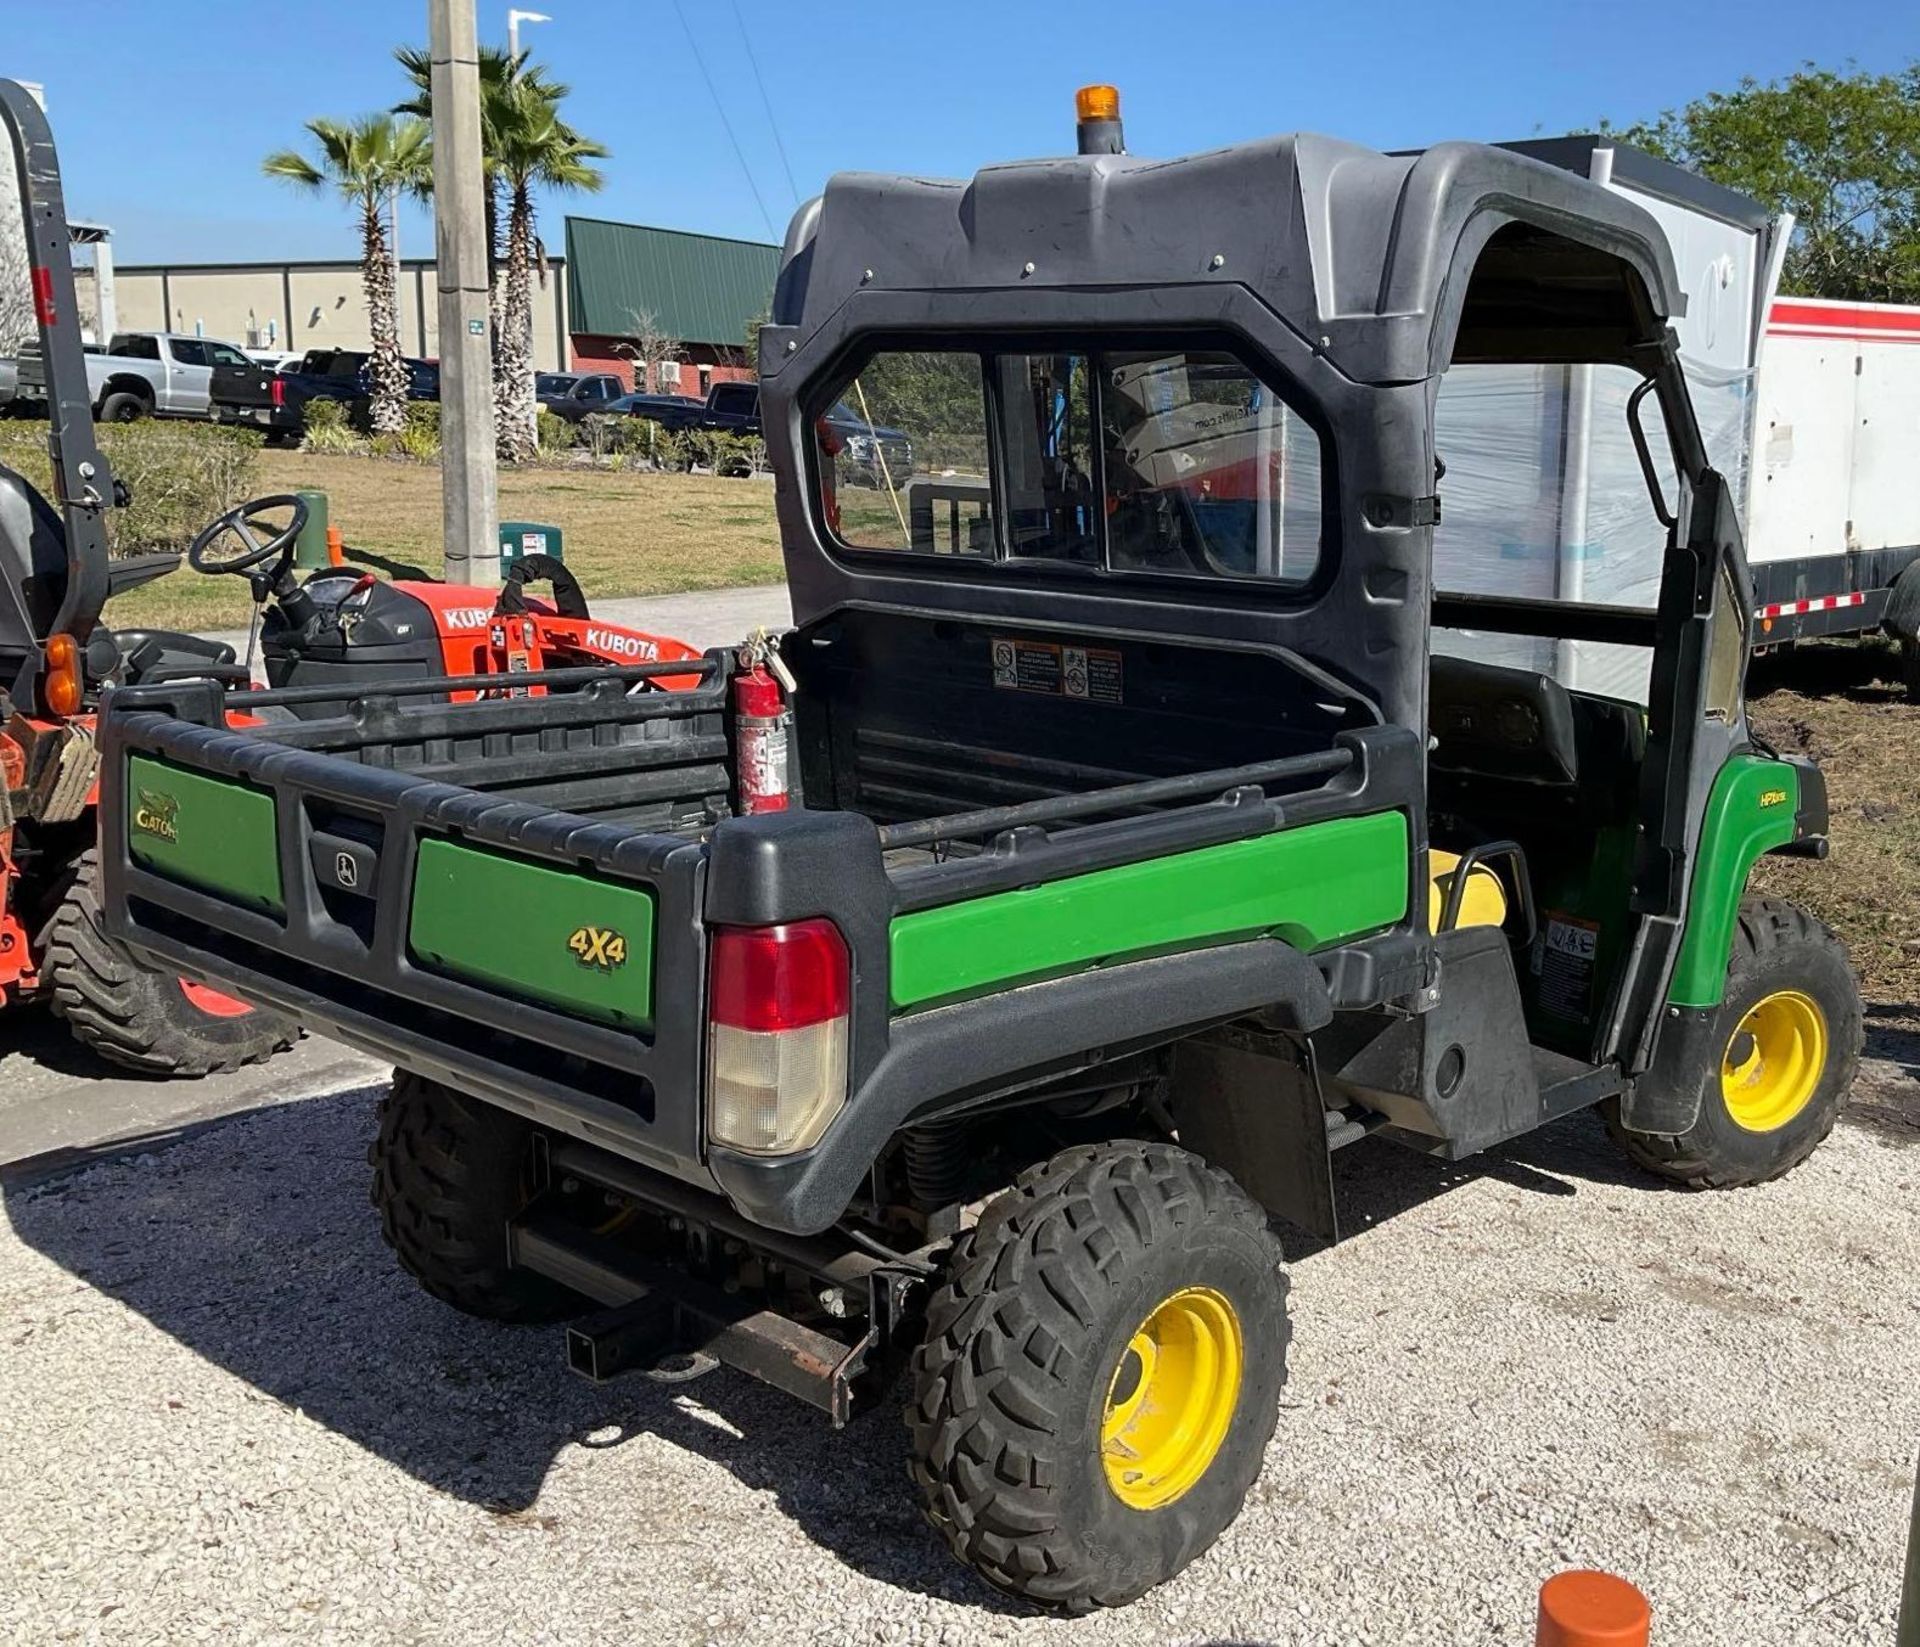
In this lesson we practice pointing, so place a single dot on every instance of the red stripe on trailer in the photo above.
(1892, 322)
(1820, 603)
(1844, 337)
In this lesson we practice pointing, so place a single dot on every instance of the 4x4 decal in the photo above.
(600, 947)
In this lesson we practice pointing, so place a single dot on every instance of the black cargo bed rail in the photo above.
(992, 820)
(1208, 809)
(506, 685)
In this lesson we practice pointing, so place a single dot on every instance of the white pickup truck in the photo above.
(143, 374)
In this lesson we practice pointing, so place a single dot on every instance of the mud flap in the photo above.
(1248, 1102)
(1666, 1098)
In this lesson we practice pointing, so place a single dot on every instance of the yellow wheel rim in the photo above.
(1774, 1061)
(1171, 1398)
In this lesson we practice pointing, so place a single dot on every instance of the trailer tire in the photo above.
(448, 1173)
(1032, 1454)
(134, 1016)
(1789, 1027)
(123, 406)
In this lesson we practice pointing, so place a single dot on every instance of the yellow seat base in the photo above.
(1484, 902)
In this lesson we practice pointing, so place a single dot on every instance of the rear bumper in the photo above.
(258, 417)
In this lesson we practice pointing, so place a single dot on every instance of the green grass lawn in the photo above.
(624, 533)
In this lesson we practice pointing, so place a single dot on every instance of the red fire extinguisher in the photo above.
(762, 723)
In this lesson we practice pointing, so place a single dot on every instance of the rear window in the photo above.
(1180, 462)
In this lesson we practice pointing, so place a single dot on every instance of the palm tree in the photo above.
(524, 144)
(368, 162)
(498, 71)
(534, 147)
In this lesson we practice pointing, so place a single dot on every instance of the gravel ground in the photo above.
(224, 1414)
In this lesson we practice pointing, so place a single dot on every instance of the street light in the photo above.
(514, 20)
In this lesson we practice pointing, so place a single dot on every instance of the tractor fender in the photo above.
(949, 1057)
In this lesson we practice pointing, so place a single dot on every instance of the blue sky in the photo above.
(163, 108)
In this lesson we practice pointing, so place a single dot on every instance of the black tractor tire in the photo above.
(1030, 1334)
(449, 1172)
(124, 406)
(1777, 947)
(128, 1013)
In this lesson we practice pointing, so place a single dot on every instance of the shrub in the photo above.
(605, 435)
(554, 433)
(722, 452)
(181, 475)
(328, 428)
(420, 438)
(656, 445)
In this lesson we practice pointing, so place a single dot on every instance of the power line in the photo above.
(753, 62)
(719, 108)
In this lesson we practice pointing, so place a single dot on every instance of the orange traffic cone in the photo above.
(1586, 1609)
(336, 547)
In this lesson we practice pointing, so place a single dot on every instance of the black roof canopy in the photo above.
(1375, 260)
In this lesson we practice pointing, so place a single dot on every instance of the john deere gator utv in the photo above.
(1152, 821)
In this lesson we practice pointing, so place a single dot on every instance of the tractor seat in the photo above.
(153, 655)
(1484, 903)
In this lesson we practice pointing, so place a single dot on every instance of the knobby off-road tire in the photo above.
(449, 1172)
(131, 1015)
(1789, 966)
(1030, 1360)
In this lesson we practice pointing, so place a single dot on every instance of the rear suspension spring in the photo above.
(936, 1159)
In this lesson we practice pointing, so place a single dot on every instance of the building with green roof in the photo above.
(634, 290)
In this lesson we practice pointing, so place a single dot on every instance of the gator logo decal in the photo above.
(599, 947)
(155, 815)
(1773, 797)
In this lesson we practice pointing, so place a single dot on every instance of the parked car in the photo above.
(669, 411)
(871, 453)
(252, 395)
(575, 395)
(9, 382)
(142, 374)
(275, 360)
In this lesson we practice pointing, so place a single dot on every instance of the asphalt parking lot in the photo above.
(226, 1415)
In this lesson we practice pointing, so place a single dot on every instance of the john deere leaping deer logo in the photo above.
(599, 947)
(155, 815)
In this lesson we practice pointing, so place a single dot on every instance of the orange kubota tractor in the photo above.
(57, 658)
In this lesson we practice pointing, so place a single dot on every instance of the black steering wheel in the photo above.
(240, 523)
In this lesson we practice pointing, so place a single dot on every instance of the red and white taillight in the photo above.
(779, 1001)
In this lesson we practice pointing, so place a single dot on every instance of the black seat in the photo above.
(164, 654)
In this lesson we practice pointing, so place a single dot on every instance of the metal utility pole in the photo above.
(472, 526)
(514, 20)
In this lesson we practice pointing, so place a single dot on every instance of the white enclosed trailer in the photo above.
(1833, 512)
(1811, 409)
